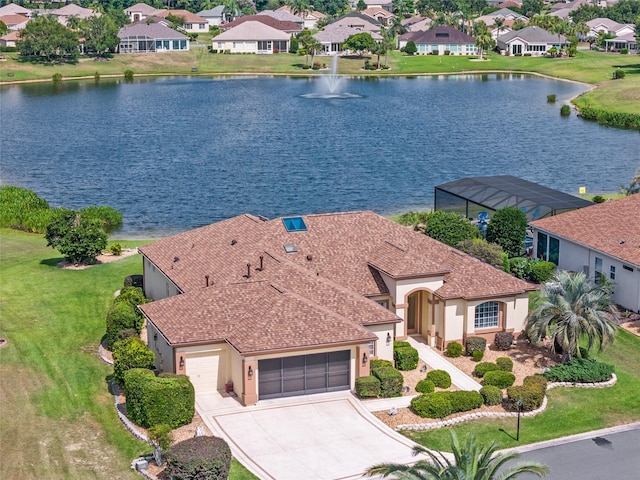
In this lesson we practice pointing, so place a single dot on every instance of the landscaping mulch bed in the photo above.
(100, 259)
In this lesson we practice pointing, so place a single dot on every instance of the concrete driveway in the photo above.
(317, 437)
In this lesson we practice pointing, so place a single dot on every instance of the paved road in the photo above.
(613, 456)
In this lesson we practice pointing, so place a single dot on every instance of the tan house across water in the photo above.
(299, 305)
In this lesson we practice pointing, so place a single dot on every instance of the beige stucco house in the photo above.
(299, 305)
(252, 37)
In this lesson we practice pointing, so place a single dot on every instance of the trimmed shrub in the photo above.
(121, 316)
(531, 392)
(503, 341)
(477, 355)
(128, 75)
(161, 435)
(425, 386)
(133, 281)
(484, 367)
(134, 380)
(431, 405)
(541, 271)
(475, 343)
(491, 395)
(134, 296)
(199, 458)
(536, 380)
(116, 249)
(565, 110)
(618, 74)
(463, 400)
(367, 387)
(440, 378)
(401, 344)
(499, 378)
(454, 350)
(57, 77)
(391, 381)
(551, 98)
(505, 364)
(379, 364)
(130, 353)
(598, 199)
(580, 370)
(406, 358)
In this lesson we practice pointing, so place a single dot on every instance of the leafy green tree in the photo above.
(508, 228)
(518, 24)
(571, 308)
(449, 228)
(305, 41)
(532, 7)
(78, 238)
(484, 42)
(410, 48)
(298, 7)
(101, 34)
(586, 12)
(45, 37)
(471, 461)
(388, 42)
(498, 22)
(3, 28)
(402, 7)
(360, 42)
(361, 5)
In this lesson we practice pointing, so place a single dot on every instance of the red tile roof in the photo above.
(612, 227)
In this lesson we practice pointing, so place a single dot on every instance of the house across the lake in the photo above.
(299, 305)
(145, 37)
(441, 40)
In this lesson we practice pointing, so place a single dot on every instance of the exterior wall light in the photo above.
(388, 338)
(181, 362)
(250, 371)
(364, 358)
(155, 337)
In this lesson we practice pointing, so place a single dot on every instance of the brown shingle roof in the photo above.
(285, 26)
(612, 227)
(442, 34)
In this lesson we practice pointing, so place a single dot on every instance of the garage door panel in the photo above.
(203, 371)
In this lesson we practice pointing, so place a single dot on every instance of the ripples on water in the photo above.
(177, 153)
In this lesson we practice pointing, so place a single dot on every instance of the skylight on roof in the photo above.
(290, 248)
(294, 224)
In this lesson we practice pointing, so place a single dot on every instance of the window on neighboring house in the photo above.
(612, 273)
(372, 348)
(487, 315)
(597, 271)
(384, 303)
(548, 248)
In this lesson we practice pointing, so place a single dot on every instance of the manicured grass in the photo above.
(57, 417)
(588, 66)
(569, 410)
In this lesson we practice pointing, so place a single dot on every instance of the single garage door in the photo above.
(304, 374)
(202, 370)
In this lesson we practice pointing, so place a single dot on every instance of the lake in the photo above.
(180, 152)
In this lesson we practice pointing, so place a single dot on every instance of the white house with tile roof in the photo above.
(299, 305)
(600, 240)
(252, 37)
(140, 11)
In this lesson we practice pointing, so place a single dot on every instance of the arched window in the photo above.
(487, 315)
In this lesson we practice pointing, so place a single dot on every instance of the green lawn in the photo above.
(588, 66)
(569, 410)
(57, 419)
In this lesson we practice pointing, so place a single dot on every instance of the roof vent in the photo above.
(309, 258)
(290, 248)
(234, 241)
(294, 224)
(248, 275)
(176, 259)
(263, 218)
(261, 267)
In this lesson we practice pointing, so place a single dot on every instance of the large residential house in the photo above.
(299, 305)
(217, 16)
(14, 22)
(252, 37)
(532, 40)
(73, 11)
(291, 28)
(284, 16)
(9, 39)
(140, 11)
(311, 17)
(602, 240)
(606, 25)
(441, 40)
(15, 9)
(333, 36)
(357, 21)
(382, 16)
(628, 41)
(192, 22)
(143, 37)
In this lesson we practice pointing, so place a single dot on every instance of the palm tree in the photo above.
(569, 308)
(498, 22)
(471, 461)
(484, 41)
(389, 43)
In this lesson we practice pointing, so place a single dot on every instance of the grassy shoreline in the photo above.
(588, 67)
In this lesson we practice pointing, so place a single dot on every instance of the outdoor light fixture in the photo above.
(250, 371)
(181, 362)
(388, 338)
(364, 357)
(155, 337)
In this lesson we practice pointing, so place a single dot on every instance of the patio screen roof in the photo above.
(470, 196)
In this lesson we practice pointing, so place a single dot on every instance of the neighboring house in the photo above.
(140, 11)
(284, 16)
(610, 27)
(192, 22)
(293, 306)
(357, 21)
(503, 13)
(72, 10)
(333, 36)
(441, 39)
(382, 16)
(217, 15)
(563, 13)
(14, 22)
(386, 4)
(570, 5)
(15, 9)
(310, 17)
(415, 24)
(9, 39)
(288, 27)
(627, 41)
(252, 37)
(600, 240)
(510, 3)
(530, 40)
(151, 38)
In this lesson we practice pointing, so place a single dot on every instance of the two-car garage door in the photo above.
(304, 374)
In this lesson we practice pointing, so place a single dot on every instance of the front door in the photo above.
(413, 313)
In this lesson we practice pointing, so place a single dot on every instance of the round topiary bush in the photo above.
(505, 364)
(431, 405)
(425, 386)
(477, 355)
(440, 378)
(463, 400)
(491, 395)
(454, 350)
(475, 343)
(198, 458)
(503, 341)
(483, 368)
(499, 378)
(130, 353)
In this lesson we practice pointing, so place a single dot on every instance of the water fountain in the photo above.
(331, 83)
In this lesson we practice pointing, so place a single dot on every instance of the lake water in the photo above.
(176, 153)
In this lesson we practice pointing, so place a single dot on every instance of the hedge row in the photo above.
(614, 119)
(368, 387)
(580, 370)
(391, 380)
(531, 393)
(405, 356)
(130, 353)
(124, 314)
(443, 404)
(499, 378)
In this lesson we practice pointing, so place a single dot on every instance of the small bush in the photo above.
(531, 395)
(551, 98)
(133, 281)
(454, 350)
(505, 364)
(490, 253)
(499, 378)
(536, 380)
(520, 267)
(199, 458)
(598, 199)
(391, 382)
(484, 367)
(116, 249)
(491, 395)
(440, 378)
(447, 52)
(541, 271)
(121, 316)
(128, 333)
(565, 110)
(57, 77)
(379, 364)
(425, 386)
(405, 358)
(478, 355)
(161, 435)
(410, 48)
(431, 405)
(580, 370)
(624, 51)
(463, 400)
(618, 74)
(128, 75)
(367, 387)
(503, 341)
(96, 76)
(401, 344)
(130, 353)
(475, 343)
